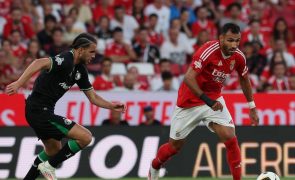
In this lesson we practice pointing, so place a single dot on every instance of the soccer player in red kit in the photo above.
(199, 99)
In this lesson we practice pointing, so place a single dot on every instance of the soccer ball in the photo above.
(268, 176)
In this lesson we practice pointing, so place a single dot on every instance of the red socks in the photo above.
(164, 154)
(233, 156)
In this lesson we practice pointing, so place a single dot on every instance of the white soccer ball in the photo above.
(268, 176)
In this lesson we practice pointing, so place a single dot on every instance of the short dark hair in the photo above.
(49, 17)
(234, 4)
(83, 40)
(235, 29)
(106, 59)
(153, 15)
(164, 60)
(117, 29)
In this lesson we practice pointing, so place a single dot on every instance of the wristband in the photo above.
(207, 100)
(251, 105)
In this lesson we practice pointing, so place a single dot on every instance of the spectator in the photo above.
(282, 31)
(18, 46)
(20, 23)
(103, 32)
(141, 80)
(185, 25)
(124, 21)
(118, 50)
(254, 33)
(46, 8)
(203, 23)
(138, 11)
(58, 44)
(167, 86)
(278, 80)
(84, 14)
(79, 26)
(182, 36)
(156, 81)
(5, 71)
(45, 35)
(201, 39)
(175, 9)
(163, 14)
(106, 81)
(145, 51)
(69, 32)
(254, 60)
(149, 115)
(292, 82)
(129, 84)
(234, 10)
(173, 49)
(280, 45)
(115, 119)
(155, 37)
(103, 8)
(33, 53)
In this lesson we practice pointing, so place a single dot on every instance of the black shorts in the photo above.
(46, 124)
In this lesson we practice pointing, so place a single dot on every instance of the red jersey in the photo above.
(213, 70)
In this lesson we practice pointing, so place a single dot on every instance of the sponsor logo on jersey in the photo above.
(78, 75)
(219, 76)
(220, 63)
(64, 86)
(59, 60)
(232, 64)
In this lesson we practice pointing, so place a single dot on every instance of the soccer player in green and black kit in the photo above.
(58, 75)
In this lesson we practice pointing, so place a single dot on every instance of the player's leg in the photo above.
(33, 173)
(36, 118)
(80, 138)
(221, 123)
(51, 147)
(182, 123)
(227, 136)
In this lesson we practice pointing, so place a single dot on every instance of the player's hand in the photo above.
(119, 107)
(12, 88)
(254, 117)
(217, 106)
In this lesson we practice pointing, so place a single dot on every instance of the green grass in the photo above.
(175, 178)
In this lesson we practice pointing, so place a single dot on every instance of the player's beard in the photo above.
(229, 51)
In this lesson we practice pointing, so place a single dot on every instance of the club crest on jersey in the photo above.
(67, 121)
(78, 76)
(232, 64)
(198, 64)
(59, 60)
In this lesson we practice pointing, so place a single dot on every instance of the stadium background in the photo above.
(154, 37)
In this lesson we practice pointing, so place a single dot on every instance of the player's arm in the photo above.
(35, 66)
(190, 81)
(247, 90)
(99, 101)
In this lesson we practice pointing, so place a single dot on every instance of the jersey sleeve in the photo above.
(83, 81)
(241, 67)
(60, 62)
(199, 60)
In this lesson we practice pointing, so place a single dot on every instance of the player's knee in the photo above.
(86, 140)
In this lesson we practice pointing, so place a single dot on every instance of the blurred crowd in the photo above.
(147, 45)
